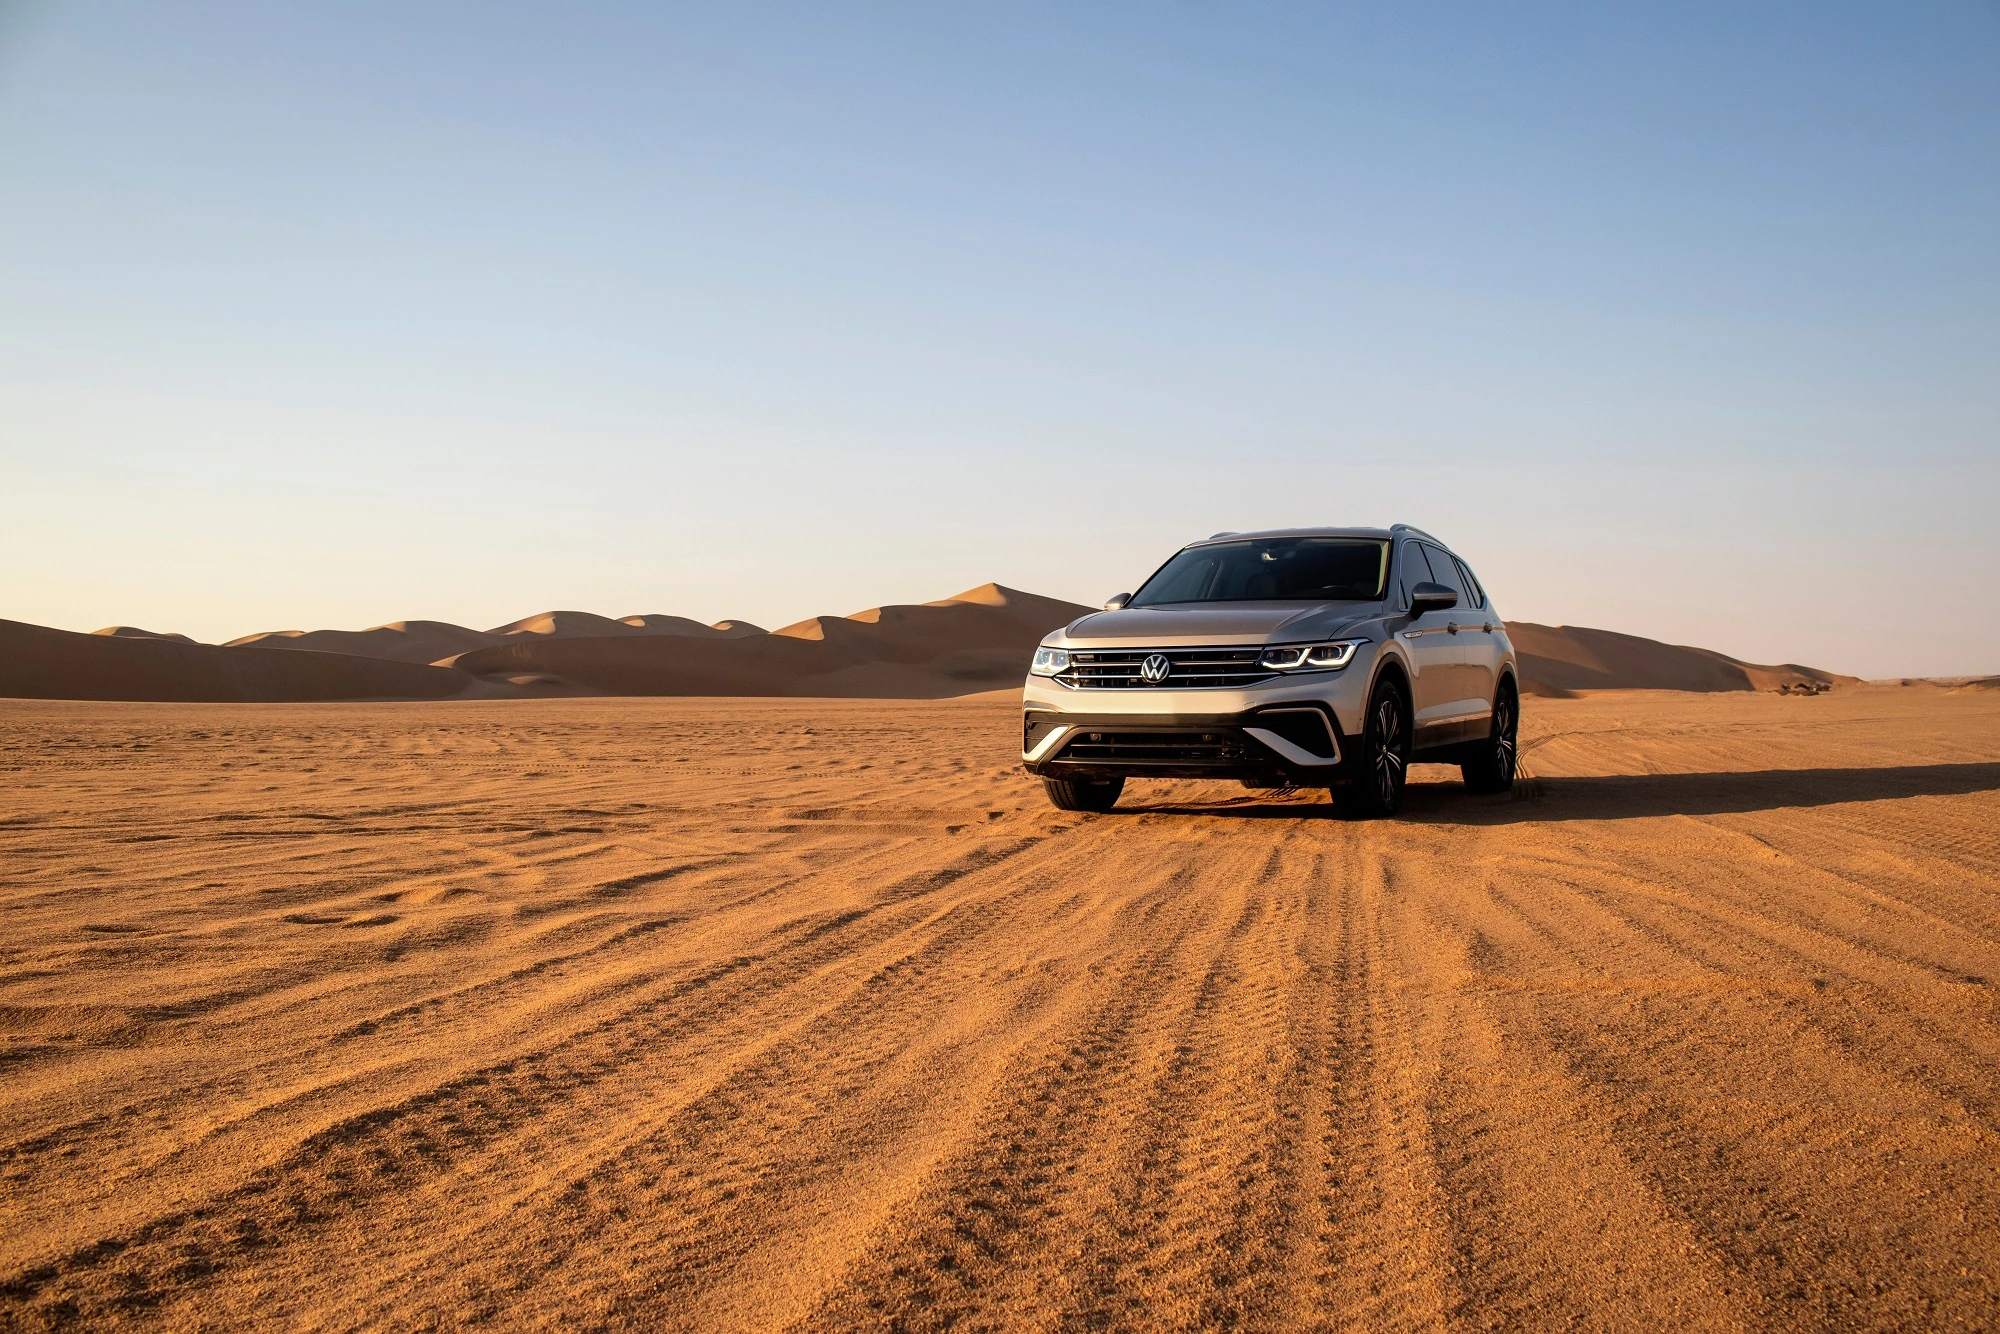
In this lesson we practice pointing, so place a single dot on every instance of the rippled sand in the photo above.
(750, 1014)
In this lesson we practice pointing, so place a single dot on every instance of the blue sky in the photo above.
(1683, 321)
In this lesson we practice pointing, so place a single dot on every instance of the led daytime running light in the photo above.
(1310, 657)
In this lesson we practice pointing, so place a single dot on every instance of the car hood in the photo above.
(1216, 623)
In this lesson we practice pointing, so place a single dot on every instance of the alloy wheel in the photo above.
(1389, 758)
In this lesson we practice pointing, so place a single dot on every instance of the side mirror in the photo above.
(1431, 597)
(1117, 601)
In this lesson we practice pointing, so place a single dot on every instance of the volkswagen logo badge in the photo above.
(1155, 668)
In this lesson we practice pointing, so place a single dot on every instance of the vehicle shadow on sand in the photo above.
(1632, 796)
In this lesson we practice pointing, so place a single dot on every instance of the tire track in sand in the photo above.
(890, 1044)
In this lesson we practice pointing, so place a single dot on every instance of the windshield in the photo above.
(1303, 569)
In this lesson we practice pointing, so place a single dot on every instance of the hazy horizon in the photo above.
(1680, 324)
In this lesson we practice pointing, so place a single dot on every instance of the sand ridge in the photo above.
(587, 625)
(440, 642)
(979, 640)
(134, 632)
(764, 1014)
(398, 641)
(1557, 660)
(40, 663)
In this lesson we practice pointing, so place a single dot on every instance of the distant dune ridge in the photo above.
(976, 641)
(440, 641)
(134, 632)
(398, 641)
(681, 625)
(585, 625)
(1556, 660)
(39, 663)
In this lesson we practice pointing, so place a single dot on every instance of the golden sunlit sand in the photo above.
(769, 1013)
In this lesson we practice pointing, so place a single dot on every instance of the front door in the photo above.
(1433, 655)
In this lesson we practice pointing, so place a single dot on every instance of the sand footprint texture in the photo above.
(806, 1013)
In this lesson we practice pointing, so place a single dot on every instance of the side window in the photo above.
(1471, 584)
(1415, 571)
(1446, 572)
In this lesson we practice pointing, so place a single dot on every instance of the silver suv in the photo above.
(1310, 657)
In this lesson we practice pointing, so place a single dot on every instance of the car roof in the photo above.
(1377, 534)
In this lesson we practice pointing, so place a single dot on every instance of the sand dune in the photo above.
(587, 625)
(40, 663)
(134, 632)
(441, 642)
(979, 640)
(1556, 659)
(578, 624)
(784, 1014)
(657, 624)
(398, 641)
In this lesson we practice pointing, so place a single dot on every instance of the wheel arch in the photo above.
(1391, 665)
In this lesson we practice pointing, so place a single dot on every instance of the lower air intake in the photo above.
(1162, 747)
(1305, 728)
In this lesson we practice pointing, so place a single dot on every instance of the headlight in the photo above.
(1333, 655)
(1310, 657)
(1049, 661)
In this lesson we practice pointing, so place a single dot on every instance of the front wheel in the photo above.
(1376, 789)
(1491, 767)
(1082, 794)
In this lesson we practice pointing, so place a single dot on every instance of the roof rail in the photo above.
(1227, 533)
(1412, 528)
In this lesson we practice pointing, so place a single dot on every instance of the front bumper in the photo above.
(1294, 729)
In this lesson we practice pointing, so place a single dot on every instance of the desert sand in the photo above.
(765, 1014)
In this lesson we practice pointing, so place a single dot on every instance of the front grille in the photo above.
(1188, 668)
(1161, 747)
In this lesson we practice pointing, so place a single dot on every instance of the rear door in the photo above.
(1462, 715)
(1485, 638)
(1432, 654)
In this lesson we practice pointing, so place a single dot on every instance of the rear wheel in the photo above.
(1377, 786)
(1491, 768)
(1083, 794)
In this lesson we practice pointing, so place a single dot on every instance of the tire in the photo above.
(1081, 794)
(1491, 767)
(1376, 789)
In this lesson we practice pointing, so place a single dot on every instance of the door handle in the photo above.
(1453, 627)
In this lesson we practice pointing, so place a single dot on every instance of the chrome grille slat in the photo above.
(1192, 668)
